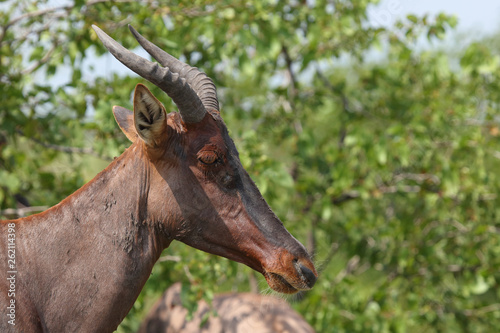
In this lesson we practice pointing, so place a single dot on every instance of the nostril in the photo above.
(308, 275)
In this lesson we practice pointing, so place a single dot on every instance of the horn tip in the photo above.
(132, 30)
(101, 34)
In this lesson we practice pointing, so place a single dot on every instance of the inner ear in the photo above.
(149, 116)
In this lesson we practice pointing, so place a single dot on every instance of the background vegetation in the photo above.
(381, 156)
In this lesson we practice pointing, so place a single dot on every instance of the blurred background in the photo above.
(371, 128)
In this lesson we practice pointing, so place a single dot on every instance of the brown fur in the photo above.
(82, 263)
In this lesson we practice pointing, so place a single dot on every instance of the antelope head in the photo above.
(198, 191)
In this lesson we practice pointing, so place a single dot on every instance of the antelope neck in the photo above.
(98, 244)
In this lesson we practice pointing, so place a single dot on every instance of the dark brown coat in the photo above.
(81, 264)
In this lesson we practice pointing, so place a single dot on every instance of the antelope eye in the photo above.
(208, 157)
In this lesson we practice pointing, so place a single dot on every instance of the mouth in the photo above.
(280, 283)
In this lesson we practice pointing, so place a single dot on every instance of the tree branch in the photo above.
(36, 13)
(169, 258)
(293, 91)
(417, 177)
(344, 197)
(481, 311)
(329, 85)
(65, 149)
(41, 12)
(420, 178)
(289, 63)
(345, 104)
(21, 212)
(40, 62)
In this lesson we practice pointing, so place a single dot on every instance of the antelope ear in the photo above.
(149, 116)
(125, 119)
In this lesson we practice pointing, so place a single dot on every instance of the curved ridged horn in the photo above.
(180, 88)
(201, 83)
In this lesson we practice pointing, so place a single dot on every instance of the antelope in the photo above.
(80, 265)
(234, 313)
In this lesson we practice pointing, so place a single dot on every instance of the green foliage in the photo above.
(387, 169)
